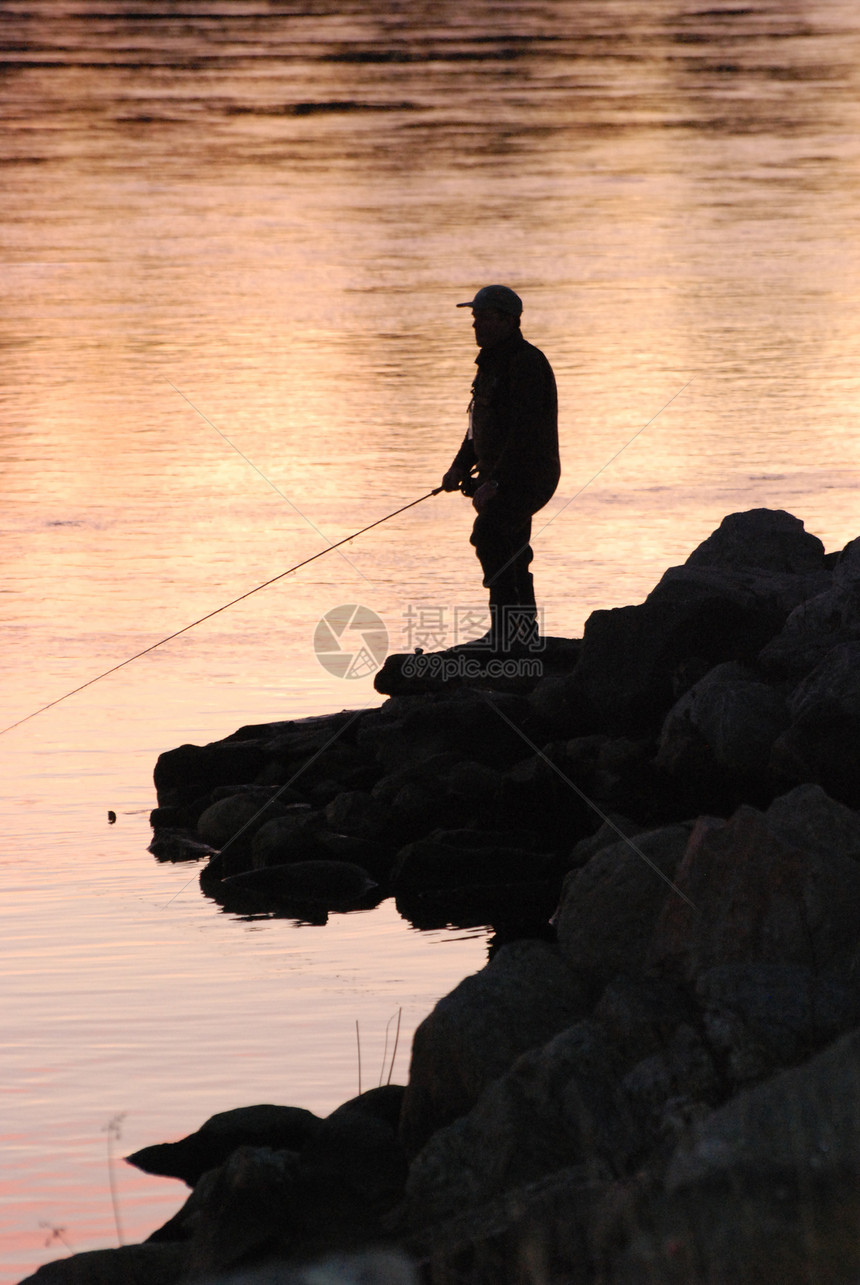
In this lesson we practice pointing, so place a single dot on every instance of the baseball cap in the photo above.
(500, 297)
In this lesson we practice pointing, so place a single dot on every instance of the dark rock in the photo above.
(822, 744)
(641, 1014)
(300, 738)
(370, 1267)
(768, 596)
(836, 680)
(175, 818)
(672, 1085)
(609, 907)
(291, 836)
(726, 603)
(383, 1103)
(357, 813)
(736, 717)
(717, 741)
(244, 1209)
(465, 666)
(430, 770)
(284, 795)
(814, 628)
(609, 832)
(756, 898)
(809, 818)
(282, 1128)
(361, 1151)
(128, 1265)
(433, 863)
(230, 825)
(762, 1017)
(538, 1232)
(512, 910)
(632, 656)
(376, 857)
(178, 845)
(767, 538)
(738, 1228)
(561, 703)
(335, 885)
(539, 792)
(559, 1105)
(526, 994)
(481, 728)
(477, 784)
(419, 807)
(186, 773)
(805, 1121)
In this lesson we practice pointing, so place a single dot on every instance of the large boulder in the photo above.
(281, 1128)
(482, 728)
(819, 623)
(316, 885)
(808, 817)
(760, 1018)
(754, 896)
(728, 720)
(237, 818)
(767, 539)
(558, 1106)
(805, 1121)
(127, 1265)
(525, 995)
(823, 742)
(609, 906)
(728, 600)
(636, 659)
(435, 862)
(190, 771)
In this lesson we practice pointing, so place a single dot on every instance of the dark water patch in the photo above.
(319, 108)
(425, 56)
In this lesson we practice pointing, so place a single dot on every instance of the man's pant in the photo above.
(501, 536)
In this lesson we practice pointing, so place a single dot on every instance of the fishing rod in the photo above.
(218, 610)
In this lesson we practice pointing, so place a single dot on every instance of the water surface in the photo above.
(254, 220)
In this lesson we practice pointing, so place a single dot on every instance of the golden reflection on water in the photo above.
(274, 213)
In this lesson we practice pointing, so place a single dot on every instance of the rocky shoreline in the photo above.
(656, 1077)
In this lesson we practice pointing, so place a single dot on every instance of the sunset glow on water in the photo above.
(252, 222)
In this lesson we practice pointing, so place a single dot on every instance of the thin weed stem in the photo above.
(396, 1041)
(113, 1129)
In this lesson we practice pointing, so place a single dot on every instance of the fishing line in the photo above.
(218, 610)
(602, 469)
(266, 479)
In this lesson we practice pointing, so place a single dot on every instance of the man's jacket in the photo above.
(513, 423)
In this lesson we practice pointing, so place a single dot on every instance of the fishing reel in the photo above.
(470, 484)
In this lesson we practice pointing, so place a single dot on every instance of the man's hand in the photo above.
(452, 479)
(485, 492)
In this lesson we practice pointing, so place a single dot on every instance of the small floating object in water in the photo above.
(111, 818)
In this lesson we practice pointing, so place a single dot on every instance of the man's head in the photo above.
(496, 311)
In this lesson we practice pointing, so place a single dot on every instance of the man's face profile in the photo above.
(491, 326)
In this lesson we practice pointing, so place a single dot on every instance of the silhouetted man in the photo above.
(508, 461)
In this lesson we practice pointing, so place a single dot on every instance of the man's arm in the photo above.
(461, 466)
